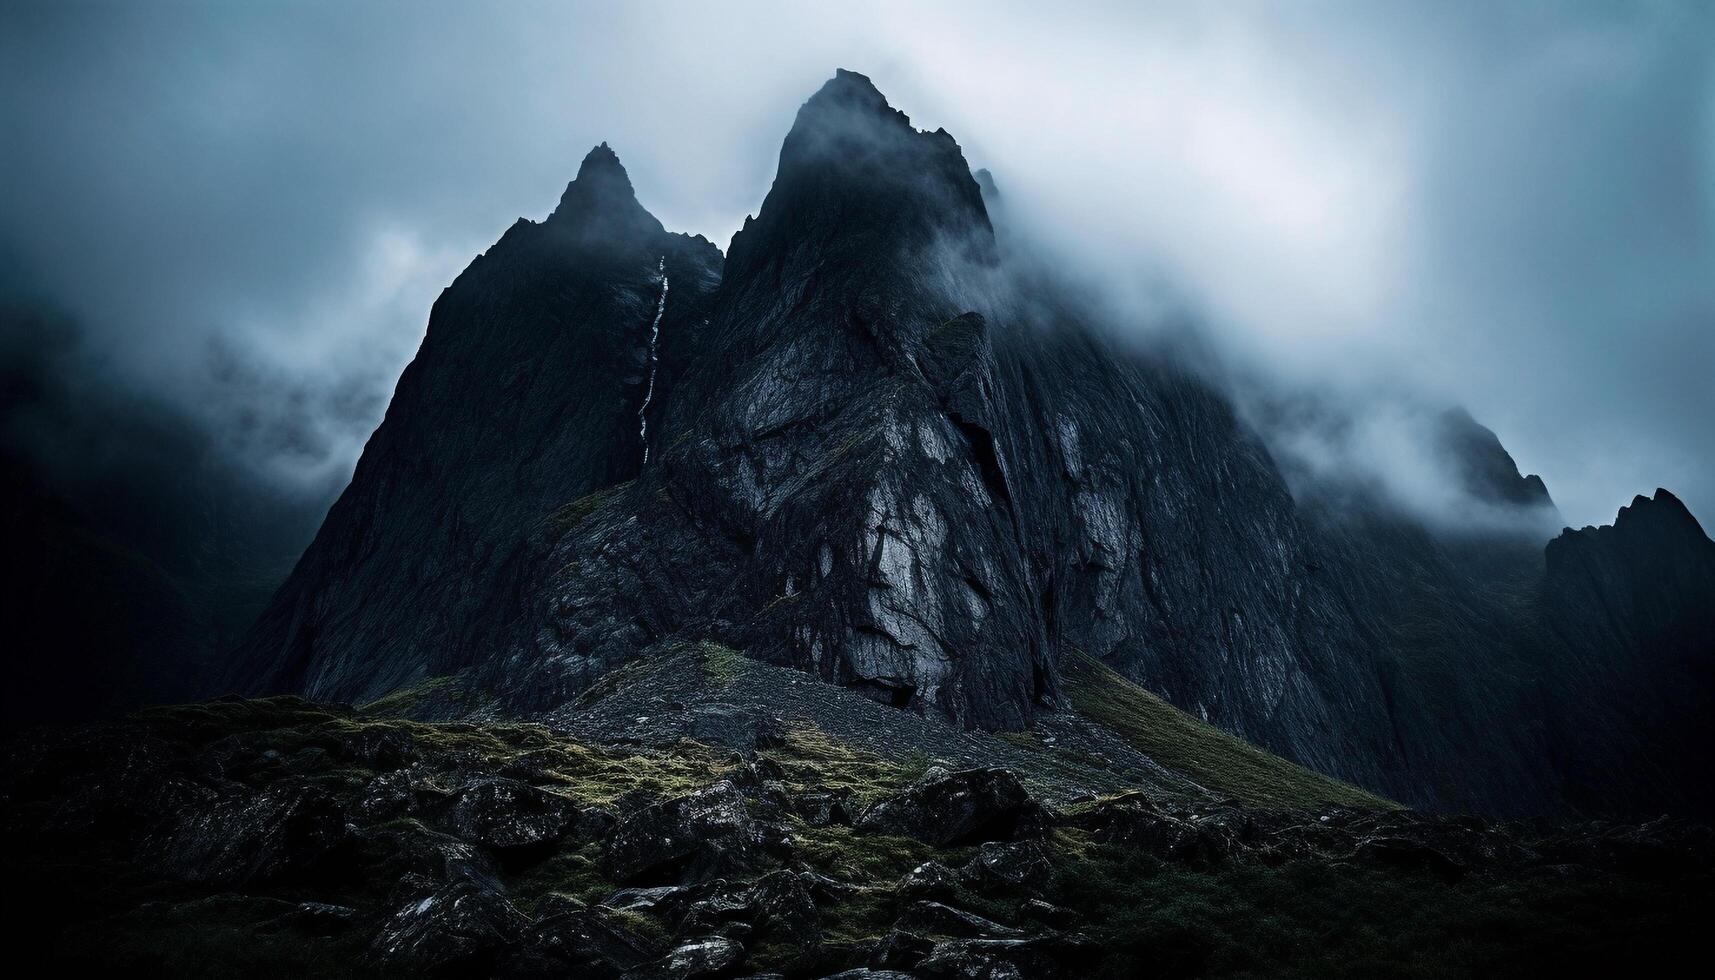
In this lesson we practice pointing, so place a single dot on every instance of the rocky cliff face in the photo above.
(879, 452)
(1630, 613)
(528, 391)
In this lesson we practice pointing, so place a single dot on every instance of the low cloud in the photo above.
(249, 209)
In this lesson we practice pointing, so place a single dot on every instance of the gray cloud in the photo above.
(248, 209)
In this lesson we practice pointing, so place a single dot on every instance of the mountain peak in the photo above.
(847, 118)
(853, 162)
(601, 202)
(849, 90)
(1663, 510)
(601, 165)
(1483, 466)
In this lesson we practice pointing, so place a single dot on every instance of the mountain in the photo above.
(1632, 623)
(873, 446)
(529, 391)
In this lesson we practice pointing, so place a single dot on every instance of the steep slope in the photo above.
(1521, 682)
(884, 470)
(526, 393)
(1630, 610)
(881, 451)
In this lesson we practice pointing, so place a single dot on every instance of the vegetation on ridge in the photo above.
(1198, 750)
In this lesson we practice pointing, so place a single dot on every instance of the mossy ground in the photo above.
(1220, 762)
(88, 898)
(1321, 919)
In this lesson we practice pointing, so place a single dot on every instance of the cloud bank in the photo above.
(247, 210)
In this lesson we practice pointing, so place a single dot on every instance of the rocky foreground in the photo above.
(281, 837)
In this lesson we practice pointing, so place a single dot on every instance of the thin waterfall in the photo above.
(654, 335)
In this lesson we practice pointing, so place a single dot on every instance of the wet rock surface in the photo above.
(211, 840)
(696, 837)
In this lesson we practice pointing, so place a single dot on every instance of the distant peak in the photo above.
(848, 88)
(1664, 505)
(1664, 510)
(985, 180)
(601, 200)
(847, 109)
(601, 166)
(855, 175)
(1483, 466)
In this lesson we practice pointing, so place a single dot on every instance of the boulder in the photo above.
(386, 796)
(508, 815)
(709, 957)
(243, 837)
(777, 908)
(583, 942)
(931, 879)
(1134, 821)
(667, 902)
(707, 834)
(457, 930)
(1037, 958)
(938, 919)
(821, 809)
(964, 807)
(408, 849)
(1054, 916)
(1016, 866)
(900, 950)
(379, 747)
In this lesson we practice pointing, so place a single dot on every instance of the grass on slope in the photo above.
(1198, 750)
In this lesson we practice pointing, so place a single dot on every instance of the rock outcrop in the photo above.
(528, 393)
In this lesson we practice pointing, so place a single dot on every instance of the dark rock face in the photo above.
(883, 451)
(954, 808)
(250, 837)
(590, 940)
(694, 837)
(1483, 466)
(1630, 609)
(458, 930)
(882, 472)
(712, 957)
(505, 814)
(525, 396)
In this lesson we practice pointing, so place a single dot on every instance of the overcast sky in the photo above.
(249, 207)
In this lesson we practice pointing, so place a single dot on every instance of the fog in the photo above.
(242, 213)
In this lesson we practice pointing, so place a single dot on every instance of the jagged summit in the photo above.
(856, 176)
(601, 163)
(531, 388)
(1663, 509)
(600, 202)
(849, 90)
(985, 181)
(1485, 469)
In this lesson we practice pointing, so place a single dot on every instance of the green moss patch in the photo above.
(1200, 751)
